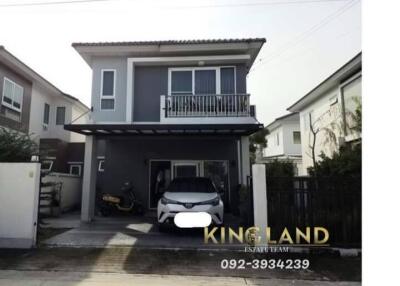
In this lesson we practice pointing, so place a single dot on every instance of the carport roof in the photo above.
(164, 129)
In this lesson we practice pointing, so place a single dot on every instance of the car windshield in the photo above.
(192, 185)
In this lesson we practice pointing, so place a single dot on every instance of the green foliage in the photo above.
(347, 162)
(280, 168)
(257, 140)
(357, 116)
(16, 146)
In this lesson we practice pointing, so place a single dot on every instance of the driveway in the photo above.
(127, 232)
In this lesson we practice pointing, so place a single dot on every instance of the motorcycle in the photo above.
(125, 203)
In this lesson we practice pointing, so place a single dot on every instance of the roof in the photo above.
(170, 42)
(164, 129)
(17, 65)
(249, 47)
(295, 116)
(349, 69)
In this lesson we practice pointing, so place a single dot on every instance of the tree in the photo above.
(16, 146)
(257, 140)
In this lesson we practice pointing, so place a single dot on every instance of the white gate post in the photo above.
(260, 200)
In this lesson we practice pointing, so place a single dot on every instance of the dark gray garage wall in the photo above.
(152, 81)
(128, 159)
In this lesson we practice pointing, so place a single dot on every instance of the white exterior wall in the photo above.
(19, 195)
(289, 147)
(273, 149)
(329, 117)
(39, 98)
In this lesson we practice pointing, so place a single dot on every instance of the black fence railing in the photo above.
(333, 203)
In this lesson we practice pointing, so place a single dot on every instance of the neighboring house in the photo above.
(32, 105)
(168, 109)
(329, 109)
(284, 141)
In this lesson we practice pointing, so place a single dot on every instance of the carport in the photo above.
(133, 149)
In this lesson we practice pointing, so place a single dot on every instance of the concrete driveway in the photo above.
(127, 232)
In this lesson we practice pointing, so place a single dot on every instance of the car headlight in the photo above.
(166, 201)
(214, 202)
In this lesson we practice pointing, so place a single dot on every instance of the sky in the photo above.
(307, 40)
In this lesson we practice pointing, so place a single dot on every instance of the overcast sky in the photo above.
(307, 40)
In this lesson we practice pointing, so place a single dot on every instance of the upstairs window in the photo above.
(107, 96)
(296, 137)
(46, 114)
(202, 80)
(228, 80)
(205, 82)
(60, 115)
(12, 95)
(181, 82)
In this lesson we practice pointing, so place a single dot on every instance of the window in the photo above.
(46, 114)
(296, 137)
(12, 95)
(75, 170)
(181, 82)
(351, 97)
(101, 166)
(205, 82)
(202, 80)
(46, 165)
(60, 115)
(107, 96)
(228, 80)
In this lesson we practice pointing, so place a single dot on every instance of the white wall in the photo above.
(290, 148)
(19, 194)
(71, 192)
(39, 97)
(273, 148)
(324, 115)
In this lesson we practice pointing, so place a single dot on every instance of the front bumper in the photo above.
(166, 213)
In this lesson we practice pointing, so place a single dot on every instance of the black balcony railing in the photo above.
(209, 105)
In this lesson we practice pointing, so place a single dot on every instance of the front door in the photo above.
(184, 169)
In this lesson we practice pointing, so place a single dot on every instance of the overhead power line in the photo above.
(226, 5)
(305, 35)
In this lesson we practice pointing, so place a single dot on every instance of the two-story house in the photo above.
(168, 109)
(329, 109)
(32, 105)
(284, 141)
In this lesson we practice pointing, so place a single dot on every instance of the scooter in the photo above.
(125, 203)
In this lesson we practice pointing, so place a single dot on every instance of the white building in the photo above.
(328, 109)
(284, 140)
(32, 105)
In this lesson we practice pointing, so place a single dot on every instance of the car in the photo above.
(190, 194)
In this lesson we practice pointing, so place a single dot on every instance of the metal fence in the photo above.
(333, 203)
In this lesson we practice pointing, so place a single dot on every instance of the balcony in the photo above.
(208, 105)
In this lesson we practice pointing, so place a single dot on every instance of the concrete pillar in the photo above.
(245, 158)
(89, 180)
(260, 199)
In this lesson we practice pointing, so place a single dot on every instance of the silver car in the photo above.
(195, 194)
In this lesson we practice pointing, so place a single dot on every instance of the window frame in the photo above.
(342, 86)
(114, 88)
(8, 105)
(65, 109)
(294, 142)
(44, 112)
(193, 70)
(75, 165)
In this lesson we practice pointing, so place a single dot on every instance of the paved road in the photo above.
(45, 278)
